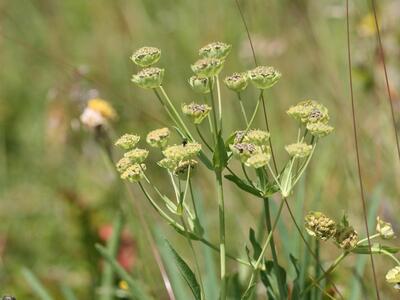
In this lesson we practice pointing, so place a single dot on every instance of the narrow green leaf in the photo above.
(256, 246)
(220, 157)
(136, 287)
(270, 278)
(296, 282)
(186, 273)
(375, 248)
(36, 285)
(243, 186)
(68, 293)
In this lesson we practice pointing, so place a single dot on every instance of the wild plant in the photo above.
(244, 158)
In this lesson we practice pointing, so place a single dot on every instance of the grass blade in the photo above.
(36, 285)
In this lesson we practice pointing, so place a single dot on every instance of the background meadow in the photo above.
(58, 195)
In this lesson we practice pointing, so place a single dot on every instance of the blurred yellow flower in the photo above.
(123, 285)
(366, 27)
(103, 107)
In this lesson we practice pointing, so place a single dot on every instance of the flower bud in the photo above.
(197, 111)
(385, 229)
(309, 111)
(149, 78)
(168, 164)
(182, 152)
(258, 160)
(137, 155)
(158, 138)
(146, 56)
(237, 82)
(134, 173)
(346, 237)
(123, 164)
(200, 84)
(208, 67)
(243, 151)
(264, 77)
(215, 50)
(181, 169)
(320, 226)
(127, 141)
(257, 137)
(298, 150)
(393, 276)
(319, 129)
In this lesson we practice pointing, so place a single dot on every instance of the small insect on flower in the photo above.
(264, 77)
(182, 152)
(298, 150)
(158, 138)
(134, 173)
(200, 84)
(218, 50)
(137, 155)
(319, 129)
(208, 67)
(257, 137)
(127, 141)
(149, 78)
(385, 229)
(198, 112)
(146, 56)
(243, 151)
(393, 275)
(319, 225)
(237, 82)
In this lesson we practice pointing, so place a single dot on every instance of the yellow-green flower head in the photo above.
(134, 173)
(239, 136)
(149, 78)
(309, 111)
(298, 150)
(237, 82)
(182, 152)
(167, 163)
(127, 141)
(243, 151)
(181, 170)
(158, 138)
(319, 225)
(319, 129)
(208, 67)
(215, 50)
(393, 276)
(123, 164)
(146, 56)
(137, 155)
(257, 137)
(197, 111)
(385, 229)
(264, 77)
(346, 237)
(200, 84)
(258, 160)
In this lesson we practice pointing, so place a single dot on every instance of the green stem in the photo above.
(214, 113)
(221, 212)
(202, 138)
(249, 290)
(242, 109)
(219, 102)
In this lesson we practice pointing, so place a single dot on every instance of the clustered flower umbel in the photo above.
(98, 112)
(179, 158)
(313, 115)
(324, 228)
(158, 138)
(198, 112)
(149, 77)
(251, 148)
(131, 166)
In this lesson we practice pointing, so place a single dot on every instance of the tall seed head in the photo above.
(298, 150)
(158, 138)
(137, 155)
(200, 84)
(218, 50)
(127, 141)
(264, 77)
(237, 82)
(134, 173)
(149, 78)
(319, 225)
(208, 67)
(198, 112)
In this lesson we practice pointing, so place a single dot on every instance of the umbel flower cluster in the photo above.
(243, 158)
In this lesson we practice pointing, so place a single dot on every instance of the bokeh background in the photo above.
(58, 193)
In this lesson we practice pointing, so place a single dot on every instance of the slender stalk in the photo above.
(213, 111)
(364, 206)
(221, 213)
(264, 248)
(219, 102)
(202, 138)
(317, 269)
(242, 109)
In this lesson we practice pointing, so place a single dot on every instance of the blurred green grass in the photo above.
(53, 54)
